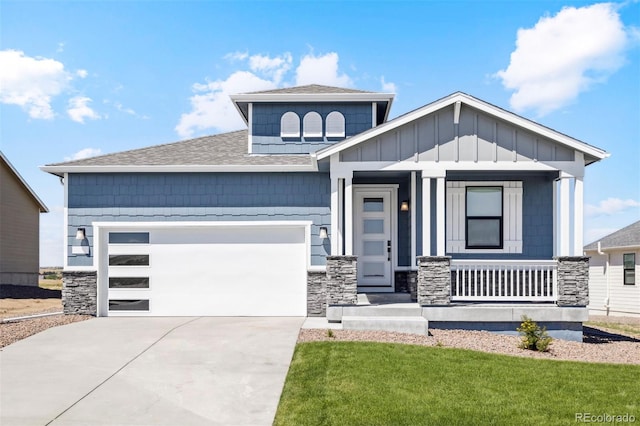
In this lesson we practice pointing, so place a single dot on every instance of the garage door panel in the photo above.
(241, 271)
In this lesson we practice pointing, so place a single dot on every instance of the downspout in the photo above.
(606, 299)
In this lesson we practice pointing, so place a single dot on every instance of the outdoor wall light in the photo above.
(323, 233)
(404, 206)
(80, 235)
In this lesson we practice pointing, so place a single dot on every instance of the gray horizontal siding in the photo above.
(266, 125)
(477, 137)
(198, 197)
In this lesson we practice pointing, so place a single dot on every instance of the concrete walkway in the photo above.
(148, 371)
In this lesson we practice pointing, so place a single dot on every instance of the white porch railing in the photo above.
(503, 280)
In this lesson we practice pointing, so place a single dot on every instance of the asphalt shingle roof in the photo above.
(628, 236)
(222, 149)
(309, 89)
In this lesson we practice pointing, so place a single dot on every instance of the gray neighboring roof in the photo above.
(43, 208)
(310, 89)
(629, 236)
(226, 149)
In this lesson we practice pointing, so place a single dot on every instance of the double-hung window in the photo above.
(629, 266)
(484, 217)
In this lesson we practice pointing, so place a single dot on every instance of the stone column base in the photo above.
(434, 280)
(79, 292)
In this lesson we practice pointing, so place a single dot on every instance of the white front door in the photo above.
(373, 242)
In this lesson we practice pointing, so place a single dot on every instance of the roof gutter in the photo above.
(61, 170)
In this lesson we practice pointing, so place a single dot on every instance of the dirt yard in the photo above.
(17, 301)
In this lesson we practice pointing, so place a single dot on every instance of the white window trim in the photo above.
(511, 219)
(338, 118)
(311, 133)
(283, 132)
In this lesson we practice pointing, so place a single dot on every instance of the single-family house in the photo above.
(614, 266)
(20, 210)
(472, 210)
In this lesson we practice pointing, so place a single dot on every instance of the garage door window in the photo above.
(128, 305)
(128, 282)
(128, 260)
(128, 238)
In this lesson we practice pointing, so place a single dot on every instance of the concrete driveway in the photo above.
(148, 371)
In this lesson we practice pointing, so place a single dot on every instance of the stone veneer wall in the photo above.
(434, 280)
(342, 280)
(573, 280)
(79, 292)
(316, 293)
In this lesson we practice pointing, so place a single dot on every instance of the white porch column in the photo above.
(348, 216)
(335, 217)
(565, 216)
(578, 202)
(555, 218)
(426, 216)
(440, 216)
(412, 201)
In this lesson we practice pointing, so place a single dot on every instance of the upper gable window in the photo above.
(335, 125)
(290, 125)
(312, 125)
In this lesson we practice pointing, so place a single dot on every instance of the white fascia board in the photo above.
(472, 102)
(60, 170)
(614, 248)
(312, 97)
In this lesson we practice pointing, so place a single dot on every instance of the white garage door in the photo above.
(217, 271)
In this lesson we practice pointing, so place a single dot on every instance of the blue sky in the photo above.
(84, 78)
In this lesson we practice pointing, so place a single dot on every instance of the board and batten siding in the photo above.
(266, 121)
(148, 197)
(478, 137)
(623, 299)
(20, 225)
(511, 219)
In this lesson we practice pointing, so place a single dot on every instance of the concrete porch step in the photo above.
(336, 313)
(401, 324)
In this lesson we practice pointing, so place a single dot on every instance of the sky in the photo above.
(79, 79)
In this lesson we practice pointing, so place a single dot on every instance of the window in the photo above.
(128, 282)
(629, 265)
(290, 125)
(483, 217)
(128, 260)
(335, 125)
(128, 238)
(312, 125)
(128, 305)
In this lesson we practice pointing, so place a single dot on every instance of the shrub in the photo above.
(534, 337)
(330, 333)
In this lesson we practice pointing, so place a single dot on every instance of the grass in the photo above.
(357, 383)
(633, 329)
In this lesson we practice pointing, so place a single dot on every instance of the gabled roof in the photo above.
(592, 154)
(314, 93)
(226, 151)
(629, 236)
(43, 208)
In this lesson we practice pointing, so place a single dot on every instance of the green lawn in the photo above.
(355, 383)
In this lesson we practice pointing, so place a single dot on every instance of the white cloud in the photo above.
(387, 86)
(79, 109)
(563, 55)
(610, 206)
(82, 73)
(211, 106)
(30, 82)
(84, 153)
(60, 48)
(321, 69)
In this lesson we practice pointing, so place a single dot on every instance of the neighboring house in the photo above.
(20, 210)
(322, 198)
(614, 267)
